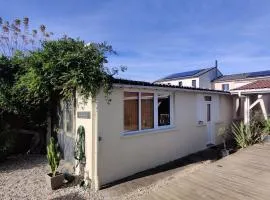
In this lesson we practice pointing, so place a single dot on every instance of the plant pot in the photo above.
(266, 138)
(224, 152)
(54, 182)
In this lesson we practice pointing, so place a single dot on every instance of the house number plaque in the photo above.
(84, 115)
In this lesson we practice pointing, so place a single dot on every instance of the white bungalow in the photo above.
(145, 125)
(149, 124)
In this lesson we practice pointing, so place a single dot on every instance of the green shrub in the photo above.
(246, 135)
(7, 143)
(53, 155)
(266, 129)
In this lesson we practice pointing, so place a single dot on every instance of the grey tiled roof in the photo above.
(243, 75)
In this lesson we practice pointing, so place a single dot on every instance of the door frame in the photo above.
(209, 119)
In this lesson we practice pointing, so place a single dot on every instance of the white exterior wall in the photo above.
(186, 82)
(232, 84)
(120, 156)
(87, 106)
(205, 79)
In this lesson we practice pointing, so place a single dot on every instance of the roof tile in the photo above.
(260, 84)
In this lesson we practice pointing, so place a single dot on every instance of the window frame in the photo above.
(223, 86)
(156, 126)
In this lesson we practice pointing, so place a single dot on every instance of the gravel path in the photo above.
(22, 177)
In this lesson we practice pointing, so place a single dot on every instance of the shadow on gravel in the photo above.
(19, 162)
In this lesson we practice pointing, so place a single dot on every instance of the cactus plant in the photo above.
(79, 152)
(53, 155)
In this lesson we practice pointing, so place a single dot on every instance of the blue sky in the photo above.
(155, 38)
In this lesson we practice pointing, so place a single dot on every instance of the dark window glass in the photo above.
(193, 83)
(208, 112)
(163, 110)
(207, 98)
(180, 83)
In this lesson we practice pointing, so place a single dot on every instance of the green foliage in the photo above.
(266, 129)
(7, 142)
(53, 155)
(79, 152)
(32, 83)
(62, 67)
(245, 135)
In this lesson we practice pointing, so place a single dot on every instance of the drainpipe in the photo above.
(247, 110)
(95, 144)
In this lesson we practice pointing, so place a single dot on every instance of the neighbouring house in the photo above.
(250, 92)
(200, 78)
(246, 104)
(143, 126)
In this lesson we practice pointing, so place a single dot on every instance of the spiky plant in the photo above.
(79, 152)
(245, 135)
(266, 129)
(53, 155)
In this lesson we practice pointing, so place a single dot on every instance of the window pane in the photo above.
(225, 87)
(163, 110)
(180, 83)
(207, 98)
(147, 110)
(193, 83)
(208, 112)
(69, 116)
(131, 111)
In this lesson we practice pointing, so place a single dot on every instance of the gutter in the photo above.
(251, 91)
(168, 88)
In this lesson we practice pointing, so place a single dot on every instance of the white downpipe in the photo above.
(263, 109)
(247, 110)
(95, 150)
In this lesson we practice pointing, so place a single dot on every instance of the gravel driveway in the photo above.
(22, 177)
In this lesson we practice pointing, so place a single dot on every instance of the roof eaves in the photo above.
(147, 84)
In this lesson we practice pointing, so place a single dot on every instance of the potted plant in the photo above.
(223, 133)
(54, 179)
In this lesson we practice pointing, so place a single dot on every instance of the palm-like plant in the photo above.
(245, 135)
(266, 129)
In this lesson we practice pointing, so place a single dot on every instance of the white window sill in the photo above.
(201, 125)
(149, 131)
(219, 122)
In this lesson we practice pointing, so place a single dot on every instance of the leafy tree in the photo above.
(38, 79)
